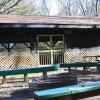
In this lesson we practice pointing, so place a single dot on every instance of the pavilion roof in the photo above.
(49, 21)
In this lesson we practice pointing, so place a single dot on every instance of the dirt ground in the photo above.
(16, 89)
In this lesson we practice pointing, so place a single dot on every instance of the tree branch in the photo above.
(6, 9)
(96, 8)
(45, 6)
(82, 7)
(2, 4)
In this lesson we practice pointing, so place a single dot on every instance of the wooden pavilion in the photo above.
(28, 41)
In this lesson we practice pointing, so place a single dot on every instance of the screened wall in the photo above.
(29, 47)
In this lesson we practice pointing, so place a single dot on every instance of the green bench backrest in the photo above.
(68, 90)
(29, 70)
(80, 64)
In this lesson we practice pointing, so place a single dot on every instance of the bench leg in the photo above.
(84, 70)
(25, 77)
(4, 79)
(69, 69)
(45, 75)
(64, 98)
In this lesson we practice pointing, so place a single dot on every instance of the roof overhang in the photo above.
(17, 21)
(36, 25)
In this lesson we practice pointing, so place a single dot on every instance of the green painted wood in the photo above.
(68, 90)
(52, 93)
(80, 64)
(28, 70)
(88, 86)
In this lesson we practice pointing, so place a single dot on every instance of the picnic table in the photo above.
(66, 93)
(43, 70)
(79, 64)
(95, 58)
(90, 58)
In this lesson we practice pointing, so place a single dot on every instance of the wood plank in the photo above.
(68, 90)
(28, 70)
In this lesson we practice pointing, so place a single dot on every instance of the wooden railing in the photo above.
(49, 57)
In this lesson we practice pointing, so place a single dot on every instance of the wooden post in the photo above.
(4, 79)
(45, 75)
(69, 69)
(25, 77)
(84, 70)
(64, 98)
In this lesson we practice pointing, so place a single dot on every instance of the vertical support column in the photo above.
(32, 46)
(51, 49)
(45, 75)
(4, 79)
(64, 47)
(38, 50)
(25, 77)
(8, 49)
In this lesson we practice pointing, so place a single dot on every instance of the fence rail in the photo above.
(47, 57)
(51, 57)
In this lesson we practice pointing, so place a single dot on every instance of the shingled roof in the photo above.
(77, 22)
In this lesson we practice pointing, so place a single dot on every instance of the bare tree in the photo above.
(6, 5)
(65, 7)
(80, 7)
(45, 7)
(83, 10)
(20, 7)
(42, 8)
(24, 9)
(96, 8)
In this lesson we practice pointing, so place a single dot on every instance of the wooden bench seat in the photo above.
(65, 93)
(5, 73)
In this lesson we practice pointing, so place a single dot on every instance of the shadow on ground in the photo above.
(22, 94)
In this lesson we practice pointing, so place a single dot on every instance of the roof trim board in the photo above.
(19, 21)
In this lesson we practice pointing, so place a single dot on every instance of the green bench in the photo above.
(66, 93)
(5, 73)
(79, 64)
